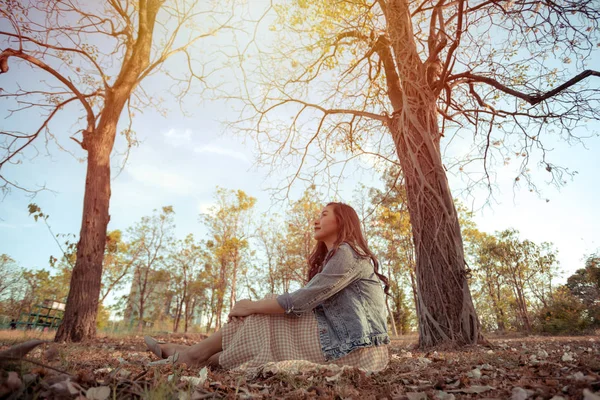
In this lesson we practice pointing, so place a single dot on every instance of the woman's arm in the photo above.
(243, 308)
(340, 271)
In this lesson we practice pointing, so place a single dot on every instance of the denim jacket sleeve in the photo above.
(340, 271)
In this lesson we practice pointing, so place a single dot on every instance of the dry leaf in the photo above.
(13, 382)
(66, 388)
(51, 354)
(567, 356)
(441, 395)
(588, 395)
(472, 389)
(98, 393)
(416, 396)
(518, 393)
(192, 380)
(475, 373)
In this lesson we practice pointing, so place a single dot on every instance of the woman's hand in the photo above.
(242, 308)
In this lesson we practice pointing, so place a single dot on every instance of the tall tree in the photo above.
(511, 271)
(395, 249)
(270, 239)
(119, 256)
(584, 284)
(153, 236)
(299, 221)
(91, 59)
(186, 261)
(229, 225)
(387, 77)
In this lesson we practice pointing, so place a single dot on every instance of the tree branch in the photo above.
(91, 118)
(532, 99)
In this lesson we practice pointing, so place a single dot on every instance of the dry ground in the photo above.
(118, 367)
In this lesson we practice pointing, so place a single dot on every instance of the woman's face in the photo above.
(326, 227)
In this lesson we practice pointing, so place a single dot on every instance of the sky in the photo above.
(181, 160)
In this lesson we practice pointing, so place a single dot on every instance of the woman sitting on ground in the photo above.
(347, 325)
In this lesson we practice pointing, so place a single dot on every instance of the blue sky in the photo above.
(181, 160)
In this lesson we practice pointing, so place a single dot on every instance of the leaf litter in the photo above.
(549, 368)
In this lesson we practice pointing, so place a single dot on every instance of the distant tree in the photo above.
(11, 275)
(119, 258)
(186, 261)
(229, 227)
(152, 236)
(584, 284)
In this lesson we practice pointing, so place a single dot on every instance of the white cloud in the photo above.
(154, 176)
(222, 151)
(178, 138)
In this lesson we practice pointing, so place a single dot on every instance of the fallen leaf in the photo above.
(29, 378)
(567, 356)
(441, 395)
(588, 395)
(518, 393)
(98, 393)
(416, 396)
(51, 353)
(454, 384)
(13, 382)
(192, 380)
(203, 374)
(105, 370)
(65, 388)
(475, 373)
(578, 376)
(334, 378)
(472, 389)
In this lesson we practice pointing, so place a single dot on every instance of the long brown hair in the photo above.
(350, 232)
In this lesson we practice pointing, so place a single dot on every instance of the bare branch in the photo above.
(532, 99)
(91, 119)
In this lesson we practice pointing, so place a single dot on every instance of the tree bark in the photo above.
(79, 321)
(445, 308)
(444, 305)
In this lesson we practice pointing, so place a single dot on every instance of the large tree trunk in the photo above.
(445, 308)
(444, 305)
(79, 321)
(82, 303)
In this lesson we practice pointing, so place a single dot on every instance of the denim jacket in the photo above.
(348, 301)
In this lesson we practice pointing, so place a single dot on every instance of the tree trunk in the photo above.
(499, 314)
(444, 305)
(445, 308)
(392, 319)
(140, 324)
(79, 321)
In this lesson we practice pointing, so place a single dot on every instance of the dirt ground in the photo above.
(119, 367)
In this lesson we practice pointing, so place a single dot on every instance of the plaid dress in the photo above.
(253, 341)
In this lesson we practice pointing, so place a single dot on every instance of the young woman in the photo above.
(338, 317)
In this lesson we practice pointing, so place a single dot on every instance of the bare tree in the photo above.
(391, 78)
(152, 235)
(91, 58)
